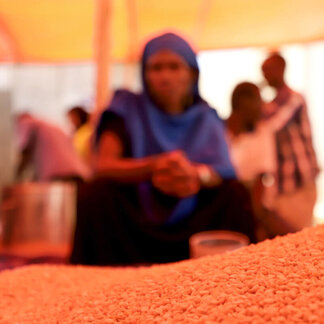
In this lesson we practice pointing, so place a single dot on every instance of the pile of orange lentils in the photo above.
(275, 281)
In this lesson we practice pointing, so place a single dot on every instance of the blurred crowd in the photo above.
(161, 165)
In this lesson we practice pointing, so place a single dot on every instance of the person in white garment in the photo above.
(251, 142)
(252, 151)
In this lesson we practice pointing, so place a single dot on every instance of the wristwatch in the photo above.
(204, 174)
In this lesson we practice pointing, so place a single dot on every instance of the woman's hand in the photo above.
(175, 175)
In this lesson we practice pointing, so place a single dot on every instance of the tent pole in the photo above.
(132, 24)
(102, 47)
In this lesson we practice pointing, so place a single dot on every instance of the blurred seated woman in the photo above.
(163, 169)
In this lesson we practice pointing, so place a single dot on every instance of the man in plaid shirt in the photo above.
(293, 190)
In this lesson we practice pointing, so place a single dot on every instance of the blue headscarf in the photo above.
(176, 44)
(198, 131)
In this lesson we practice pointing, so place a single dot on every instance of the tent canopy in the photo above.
(62, 30)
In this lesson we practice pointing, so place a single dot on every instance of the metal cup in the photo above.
(37, 219)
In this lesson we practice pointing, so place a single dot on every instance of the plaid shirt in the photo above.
(296, 159)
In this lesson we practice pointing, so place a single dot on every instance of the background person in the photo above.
(293, 195)
(252, 148)
(48, 149)
(82, 131)
(252, 144)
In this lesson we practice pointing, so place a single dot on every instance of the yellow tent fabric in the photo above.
(63, 30)
(47, 30)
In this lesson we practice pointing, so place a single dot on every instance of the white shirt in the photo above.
(253, 153)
